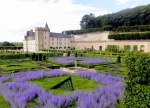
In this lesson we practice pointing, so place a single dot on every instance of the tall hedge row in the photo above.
(137, 92)
(89, 30)
(135, 48)
(127, 48)
(134, 28)
(33, 56)
(10, 47)
(13, 56)
(130, 36)
(112, 48)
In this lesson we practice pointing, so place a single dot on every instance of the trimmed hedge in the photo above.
(134, 28)
(13, 56)
(90, 30)
(112, 48)
(127, 48)
(130, 36)
(137, 92)
(135, 48)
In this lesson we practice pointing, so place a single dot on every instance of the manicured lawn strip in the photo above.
(60, 64)
(13, 66)
(3, 103)
(82, 84)
(105, 68)
(93, 65)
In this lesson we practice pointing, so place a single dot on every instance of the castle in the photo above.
(42, 38)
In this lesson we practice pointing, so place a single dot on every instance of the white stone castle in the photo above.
(42, 38)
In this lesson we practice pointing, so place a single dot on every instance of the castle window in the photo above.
(45, 43)
(52, 39)
(60, 39)
(45, 37)
(57, 38)
(57, 43)
(52, 43)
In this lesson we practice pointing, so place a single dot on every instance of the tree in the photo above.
(7, 44)
(87, 21)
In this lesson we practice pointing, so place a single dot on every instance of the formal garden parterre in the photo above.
(54, 88)
(19, 91)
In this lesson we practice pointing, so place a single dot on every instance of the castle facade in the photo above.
(42, 38)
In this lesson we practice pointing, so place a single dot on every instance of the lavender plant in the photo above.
(19, 92)
(94, 61)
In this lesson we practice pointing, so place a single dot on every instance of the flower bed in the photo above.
(82, 61)
(92, 61)
(19, 92)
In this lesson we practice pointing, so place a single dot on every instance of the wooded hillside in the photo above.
(115, 21)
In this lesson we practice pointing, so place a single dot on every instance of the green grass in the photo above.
(122, 71)
(82, 84)
(3, 103)
(13, 66)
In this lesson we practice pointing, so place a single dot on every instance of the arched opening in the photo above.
(142, 48)
(100, 48)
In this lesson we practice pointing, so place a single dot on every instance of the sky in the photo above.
(18, 16)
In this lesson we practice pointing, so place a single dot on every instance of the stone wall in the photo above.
(99, 41)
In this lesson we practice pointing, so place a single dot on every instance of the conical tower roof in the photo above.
(46, 26)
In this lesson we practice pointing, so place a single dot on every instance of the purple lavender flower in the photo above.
(94, 61)
(19, 92)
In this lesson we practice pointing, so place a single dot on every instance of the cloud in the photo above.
(118, 2)
(18, 16)
(134, 5)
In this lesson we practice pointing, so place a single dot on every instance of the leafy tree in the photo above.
(7, 44)
(87, 21)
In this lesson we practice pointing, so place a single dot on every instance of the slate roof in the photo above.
(30, 33)
(46, 26)
(59, 35)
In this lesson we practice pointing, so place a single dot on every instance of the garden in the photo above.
(35, 83)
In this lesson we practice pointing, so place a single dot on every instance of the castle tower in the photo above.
(42, 35)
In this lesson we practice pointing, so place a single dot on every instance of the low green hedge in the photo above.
(13, 56)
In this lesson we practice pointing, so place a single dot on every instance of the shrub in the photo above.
(44, 57)
(127, 48)
(27, 55)
(68, 53)
(137, 92)
(135, 48)
(36, 57)
(76, 54)
(40, 57)
(33, 56)
(112, 48)
(119, 59)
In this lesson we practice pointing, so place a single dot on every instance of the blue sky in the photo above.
(18, 16)
(113, 5)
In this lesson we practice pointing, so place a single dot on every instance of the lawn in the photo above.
(3, 103)
(79, 83)
(13, 66)
(117, 69)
